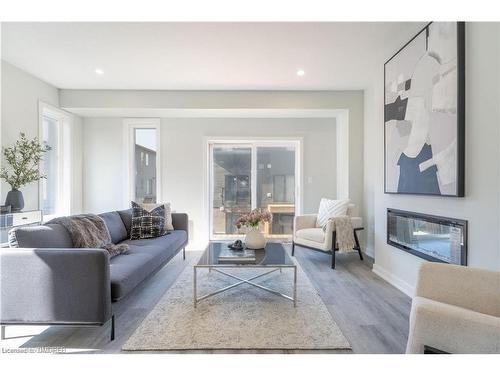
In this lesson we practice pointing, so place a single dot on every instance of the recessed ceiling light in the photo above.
(99, 71)
(300, 72)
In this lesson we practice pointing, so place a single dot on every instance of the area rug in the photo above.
(244, 318)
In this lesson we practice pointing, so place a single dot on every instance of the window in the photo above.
(55, 188)
(248, 175)
(144, 171)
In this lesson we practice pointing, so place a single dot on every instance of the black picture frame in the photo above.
(460, 190)
(433, 219)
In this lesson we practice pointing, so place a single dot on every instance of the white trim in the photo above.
(65, 158)
(129, 125)
(394, 280)
(342, 134)
(253, 143)
(145, 112)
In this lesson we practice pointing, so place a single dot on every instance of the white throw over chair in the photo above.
(306, 234)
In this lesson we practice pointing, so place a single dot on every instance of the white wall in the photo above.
(103, 165)
(76, 205)
(481, 205)
(20, 95)
(183, 142)
(152, 103)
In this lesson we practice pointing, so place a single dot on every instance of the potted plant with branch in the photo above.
(23, 159)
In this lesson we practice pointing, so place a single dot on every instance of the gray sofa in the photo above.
(47, 282)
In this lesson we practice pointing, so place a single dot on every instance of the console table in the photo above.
(17, 219)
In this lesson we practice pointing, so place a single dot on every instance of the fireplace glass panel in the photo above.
(429, 237)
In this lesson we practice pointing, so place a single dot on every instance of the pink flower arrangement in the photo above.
(254, 218)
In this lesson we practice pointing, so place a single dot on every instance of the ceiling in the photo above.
(203, 56)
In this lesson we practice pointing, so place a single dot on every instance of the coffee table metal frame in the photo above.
(220, 269)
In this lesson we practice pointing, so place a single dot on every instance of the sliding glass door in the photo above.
(248, 175)
(231, 186)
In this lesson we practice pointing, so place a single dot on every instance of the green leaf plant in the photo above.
(23, 159)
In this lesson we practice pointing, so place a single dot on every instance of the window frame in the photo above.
(253, 143)
(129, 125)
(65, 159)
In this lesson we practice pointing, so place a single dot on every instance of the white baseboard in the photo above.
(394, 280)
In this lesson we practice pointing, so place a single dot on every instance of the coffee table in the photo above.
(271, 259)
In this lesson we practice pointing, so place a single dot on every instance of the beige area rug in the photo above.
(241, 318)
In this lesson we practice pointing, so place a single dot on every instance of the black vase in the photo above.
(15, 200)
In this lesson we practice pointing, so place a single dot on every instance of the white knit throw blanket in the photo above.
(345, 235)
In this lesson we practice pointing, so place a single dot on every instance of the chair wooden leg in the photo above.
(334, 245)
(293, 248)
(358, 247)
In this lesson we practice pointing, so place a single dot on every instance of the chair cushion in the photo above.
(115, 226)
(311, 234)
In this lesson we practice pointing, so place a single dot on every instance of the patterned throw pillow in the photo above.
(168, 213)
(147, 224)
(329, 208)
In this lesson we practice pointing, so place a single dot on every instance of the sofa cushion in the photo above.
(40, 236)
(126, 216)
(311, 234)
(115, 226)
(144, 257)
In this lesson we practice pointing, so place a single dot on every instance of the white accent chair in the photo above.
(456, 309)
(306, 234)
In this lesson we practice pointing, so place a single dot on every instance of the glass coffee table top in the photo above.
(274, 254)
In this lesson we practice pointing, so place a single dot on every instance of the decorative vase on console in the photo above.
(15, 200)
(254, 238)
(23, 159)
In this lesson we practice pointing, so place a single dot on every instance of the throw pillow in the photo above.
(168, 213)
(147, 224)
(329, 208)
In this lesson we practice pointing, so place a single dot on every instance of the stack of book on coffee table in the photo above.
(229, 256)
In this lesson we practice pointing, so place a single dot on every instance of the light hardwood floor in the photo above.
(372, 314)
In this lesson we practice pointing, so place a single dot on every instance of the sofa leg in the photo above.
(334, 245)
(357, 244)
(3, 333)
(112, 327)
(184, 253)
(293, 248)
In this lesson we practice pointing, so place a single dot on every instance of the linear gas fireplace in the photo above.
(434, 238)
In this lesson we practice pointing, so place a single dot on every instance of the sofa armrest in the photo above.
(58, 286)
(469, 288)
(180, 221)
(304, 221)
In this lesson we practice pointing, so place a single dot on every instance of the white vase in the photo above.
(254, 239)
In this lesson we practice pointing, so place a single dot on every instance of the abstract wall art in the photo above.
(424, 113)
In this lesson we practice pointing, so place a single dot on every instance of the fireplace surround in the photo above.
(434, 238)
